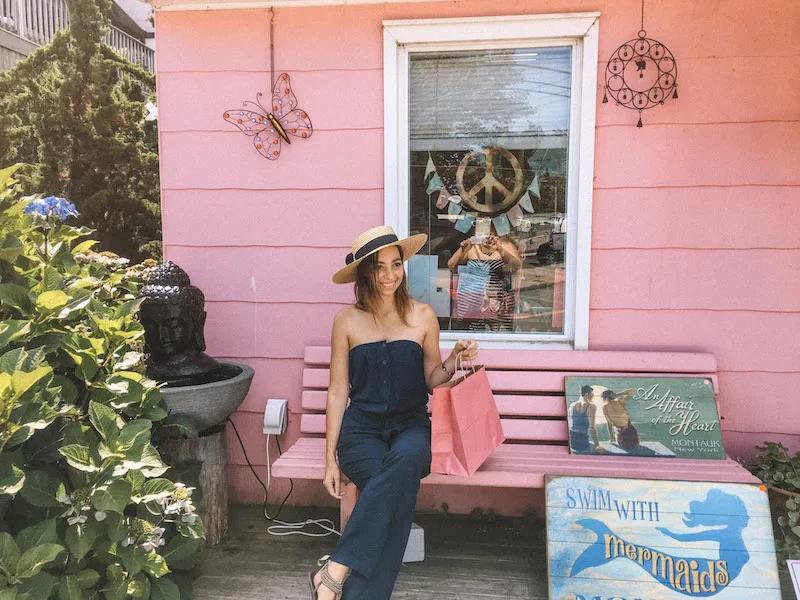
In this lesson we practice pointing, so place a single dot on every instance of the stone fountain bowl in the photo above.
(210, 404)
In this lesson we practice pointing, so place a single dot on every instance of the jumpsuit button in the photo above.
(384, 362)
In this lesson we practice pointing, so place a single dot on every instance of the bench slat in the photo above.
(516, 381)
(514, 429)
(525, 466)
(531, 406)
(576, 360)
(516, 406)
(526, 429)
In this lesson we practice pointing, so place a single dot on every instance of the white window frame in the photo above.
(578, 30)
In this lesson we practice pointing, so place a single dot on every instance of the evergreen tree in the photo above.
(73, 111)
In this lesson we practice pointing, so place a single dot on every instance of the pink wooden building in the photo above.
(680, 235)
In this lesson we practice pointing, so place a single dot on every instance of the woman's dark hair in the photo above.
(586, 389)
(608, 395)
(366, 288)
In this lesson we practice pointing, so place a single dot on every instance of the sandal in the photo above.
(326, 579)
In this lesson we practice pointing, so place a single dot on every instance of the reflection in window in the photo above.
(488, 135)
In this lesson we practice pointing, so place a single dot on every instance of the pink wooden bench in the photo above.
(529, 391)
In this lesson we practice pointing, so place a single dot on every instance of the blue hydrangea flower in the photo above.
(37, 207)
(44, 207)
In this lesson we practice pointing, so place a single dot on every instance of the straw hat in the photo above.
(370, 242)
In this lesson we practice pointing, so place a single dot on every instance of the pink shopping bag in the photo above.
(465, 424)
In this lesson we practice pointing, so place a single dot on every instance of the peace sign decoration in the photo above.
(641, 74)
(489, 182)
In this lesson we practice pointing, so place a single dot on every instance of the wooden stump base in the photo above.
(209, 449)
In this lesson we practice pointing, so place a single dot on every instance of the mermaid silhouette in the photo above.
(704, 576)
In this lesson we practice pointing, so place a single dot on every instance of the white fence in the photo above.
(34, 20)
(131, 48)
(39, 20)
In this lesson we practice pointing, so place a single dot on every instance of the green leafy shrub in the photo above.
(74, 112)
(85, 507)
(781, 473)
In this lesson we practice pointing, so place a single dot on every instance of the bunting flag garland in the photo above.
(443, 199)
(534, 187)
(483, 226)
(515, 215)
(465, 224)
(453, 210)
(435, 184)
(430, 167)
(501, 225)
(525, 202)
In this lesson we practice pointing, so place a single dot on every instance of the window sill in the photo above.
(490, 341)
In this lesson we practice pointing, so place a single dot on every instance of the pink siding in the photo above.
(695, 219)
(228, 216)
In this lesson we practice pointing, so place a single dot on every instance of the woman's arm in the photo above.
(509, 254)
(434, 374)
(338, 392)
(430, 346)
(459, 256)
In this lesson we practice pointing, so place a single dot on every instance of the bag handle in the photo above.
(459, 366)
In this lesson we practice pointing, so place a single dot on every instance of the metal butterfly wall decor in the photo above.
(269, 127)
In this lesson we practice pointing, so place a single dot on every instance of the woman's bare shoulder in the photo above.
(421, 312)
(345, 319)
(348, 312)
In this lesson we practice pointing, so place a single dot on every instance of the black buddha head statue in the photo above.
(174, 317)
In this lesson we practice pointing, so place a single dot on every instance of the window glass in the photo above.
(488, 141)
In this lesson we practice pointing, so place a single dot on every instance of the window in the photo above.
(489, 143)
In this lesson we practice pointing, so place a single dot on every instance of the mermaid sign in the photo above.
(624, 539)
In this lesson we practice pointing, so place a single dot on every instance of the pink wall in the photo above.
(695, 224)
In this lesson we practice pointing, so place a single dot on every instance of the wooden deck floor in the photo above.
(465, 559)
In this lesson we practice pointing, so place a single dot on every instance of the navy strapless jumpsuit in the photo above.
(385, 449)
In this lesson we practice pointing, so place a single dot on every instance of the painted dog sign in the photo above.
(658, 540)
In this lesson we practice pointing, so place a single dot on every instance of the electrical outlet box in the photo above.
(276, 416)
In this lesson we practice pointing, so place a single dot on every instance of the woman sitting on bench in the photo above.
(385, 356)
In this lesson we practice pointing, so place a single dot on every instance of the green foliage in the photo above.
(780, 471)
(85, 509)
(74, 111)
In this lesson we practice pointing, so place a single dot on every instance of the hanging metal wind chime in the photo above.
(641, 74)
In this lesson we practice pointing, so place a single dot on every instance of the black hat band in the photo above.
(371, 246)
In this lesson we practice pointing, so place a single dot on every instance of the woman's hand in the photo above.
(459, 256)
(332, 481)
(467, 348)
